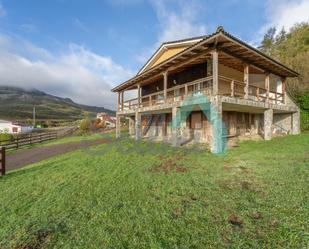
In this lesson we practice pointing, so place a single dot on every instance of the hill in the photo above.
(17, 103)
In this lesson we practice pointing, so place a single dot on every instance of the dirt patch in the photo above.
(234, 220)
(168, 165)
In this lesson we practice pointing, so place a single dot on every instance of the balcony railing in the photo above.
(176, 93)
(235, 88)
(227, 87)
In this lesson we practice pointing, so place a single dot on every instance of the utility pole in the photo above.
(33, 117)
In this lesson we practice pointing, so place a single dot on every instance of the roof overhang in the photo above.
(221, 41)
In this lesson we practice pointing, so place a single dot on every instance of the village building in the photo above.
(13, 128)
(109, 121)
(207, 89)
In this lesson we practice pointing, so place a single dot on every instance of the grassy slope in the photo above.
(106, 197)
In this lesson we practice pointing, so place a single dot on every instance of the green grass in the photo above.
(143, 195)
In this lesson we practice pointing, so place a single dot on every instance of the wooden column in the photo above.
(139, 95)
(284, 90)
(267, 79)
(118, 108)
(215, 74)
(246, 80)
(165, 78)
(122, 100)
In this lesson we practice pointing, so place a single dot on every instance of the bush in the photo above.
(5, 136)
(85, 125)
(303, 102)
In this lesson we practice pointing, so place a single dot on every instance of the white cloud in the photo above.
(177, 20)
(283, 14)
(2, 10)
(78, 73)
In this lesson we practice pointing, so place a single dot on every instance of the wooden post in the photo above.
(138, 95)
(122, 100)
(165, 78)
(150, 104)
(232, 88)
(246, 80)
(283, 90)
(186, 89)
(118, 101)
(258, 93)
(2, 150)
(267, 86)
(215, 74)
(17, 142)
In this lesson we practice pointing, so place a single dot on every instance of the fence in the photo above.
(28, 139)
(2, 160)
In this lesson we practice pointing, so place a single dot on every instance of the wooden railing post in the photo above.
(258, 94)
(267, 79)
(186, 89)
(17, 142)
(138, 96)
(232, 88)
(165, 79)
(246, 80)
(2, 151)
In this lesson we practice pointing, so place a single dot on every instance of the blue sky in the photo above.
(81, 48)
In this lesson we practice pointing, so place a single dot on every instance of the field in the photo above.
(126, 194)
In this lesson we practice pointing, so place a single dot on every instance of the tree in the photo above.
(268, 41)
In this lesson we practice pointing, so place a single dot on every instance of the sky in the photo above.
(82, 48)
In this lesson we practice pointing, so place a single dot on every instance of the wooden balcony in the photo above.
(227, 87)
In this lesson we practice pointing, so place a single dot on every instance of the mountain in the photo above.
(17, 104)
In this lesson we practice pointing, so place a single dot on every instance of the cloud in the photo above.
(180, 21)
(177, 20)
(2, 10)
(283, 14)
(77, 73)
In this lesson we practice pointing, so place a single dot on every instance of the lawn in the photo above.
(126, 194)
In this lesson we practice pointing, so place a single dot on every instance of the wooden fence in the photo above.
(27, 139)
(2, 160)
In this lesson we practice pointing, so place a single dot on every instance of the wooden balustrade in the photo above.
(227, 87)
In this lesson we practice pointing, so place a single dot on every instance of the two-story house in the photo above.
(207, 89)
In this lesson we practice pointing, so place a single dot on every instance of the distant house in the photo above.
(13, 128)
(109, 121)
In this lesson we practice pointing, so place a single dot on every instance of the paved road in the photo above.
(25, 157)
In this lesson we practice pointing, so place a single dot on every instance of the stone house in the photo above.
(206, 90)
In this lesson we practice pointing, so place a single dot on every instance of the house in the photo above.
(207, 90)
(110, 122)
(13, 128)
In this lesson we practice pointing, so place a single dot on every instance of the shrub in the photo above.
(5, 136)
(84, 125)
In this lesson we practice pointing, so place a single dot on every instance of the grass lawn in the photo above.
(128, 194)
